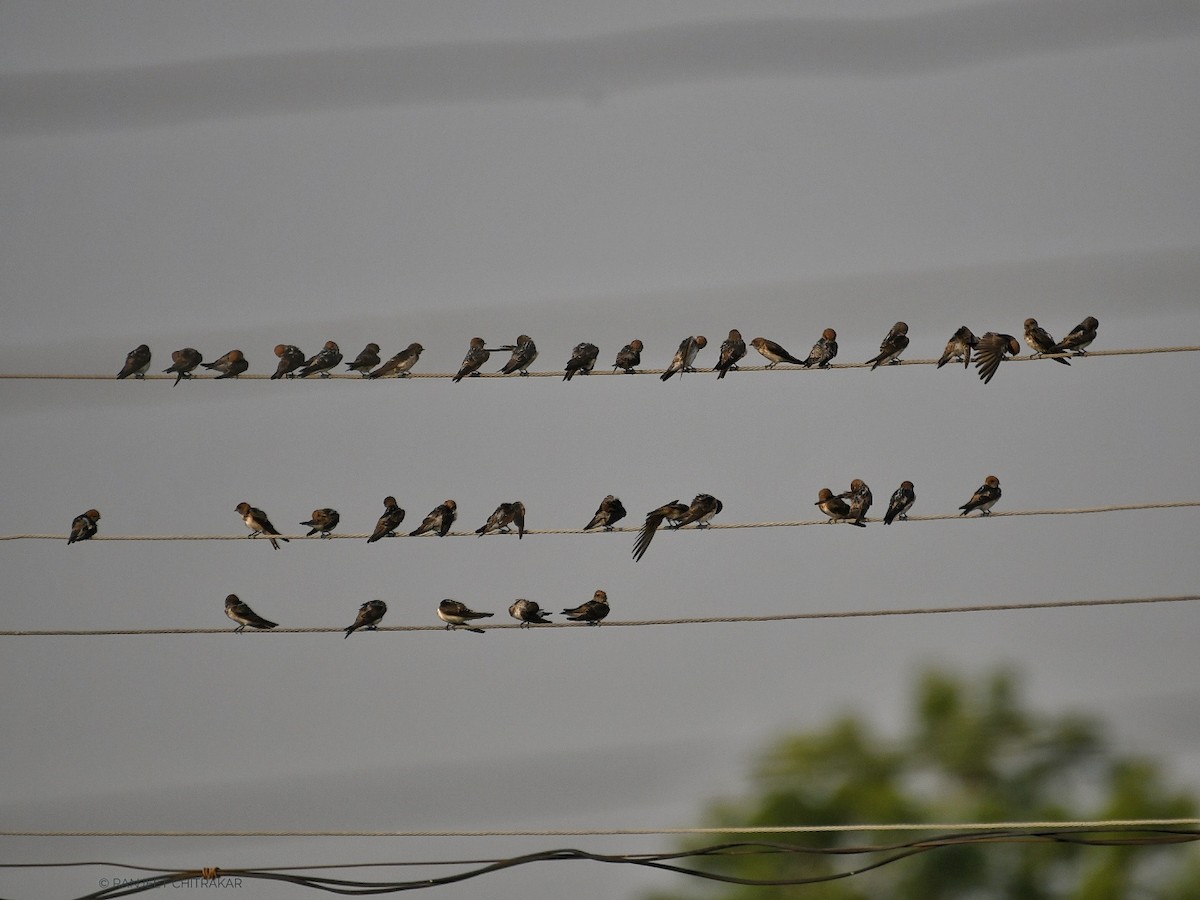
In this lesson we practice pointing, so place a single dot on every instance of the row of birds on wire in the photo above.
(850, 506)
(989, 350)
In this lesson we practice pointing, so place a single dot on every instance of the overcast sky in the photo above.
(226, 175)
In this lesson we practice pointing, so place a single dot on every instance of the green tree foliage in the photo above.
(972, 753)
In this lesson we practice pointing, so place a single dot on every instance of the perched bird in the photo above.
(629, 357)
(582, 361)
(323, 521)
(591, 612)
(365, 361)
(990, 350)
(984, 498)
(823, 351)
(439, 519)
(399, 364)
(733, 348)
(83, 526)
(328, 357)
(1078, 340)
(960, 345)
(673, 512)
(860, 499)
(183, 361)
(136, 362)
(774, 353)
(392, 516)
(608, 513)
(244, 615)
(902, 500)
(836, 508)
(685, 356)
(701, 512)
(1039, 339)
(506, 514)
(231, 365)
(258, 523)
(454, 614)
(475, 358)
(524, 352)
(892, 346)
(291, 358)
(368, 616)
(527, 612)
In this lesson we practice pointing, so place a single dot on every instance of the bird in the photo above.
(629, 357)
(673, 512)
(244, 615)
(527, 612)
(701, 511)
(137, 361)
(399, 364)
(392, 516)
(291, 358)
(582, 361)
(83, 526)
(860, 499)
(183, 361)
(984, 498)
(990, 350)
(454, 614)
(685, 356)
(439, 519)
(328, 357)
(231, 365)
(960, 345)
(506, 514)
(323, 521)
(774, 353)
(365, 361)
(258, 523)
(836, 508)
(524, 352)
(608, 513)
(902, 500)
(1039, 339)
(733, 348)
(368, 616)
(1080, 337)
(476, 356)
(591, 612)
(823, 351)
(892, 346)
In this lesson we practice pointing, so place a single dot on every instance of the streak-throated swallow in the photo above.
(673, 512)
(524, 352)
(608, 514)
(454, 614)
(686, 354)
(365, 361)
(323, 521)
(733, 348)
(392, 516)
(328, 357)
(860, 499)
(836, 508)
(231, 365)
(989, 353)
(476, 356)
(893, 344)
(368, 616)
(902, 500)
(984, 498)
(582, 361)
(506, 514)
(1080, 338)
(258, 523)
(591, 612)
(244, 615)
(183, 361)
(83, 526)
(291, 358)
(440, 519)
(527, 612)
(774, 353)
(399, 364)
(1039, 339)
(629, 357)
(960, 345)
(136, 362)
(823, 351)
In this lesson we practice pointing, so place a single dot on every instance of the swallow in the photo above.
(629, 357)
(328, 357)
(244, 615)
(823, 351)
(701, 512)
(392, 516)
(258, 523)
(774, 353)
(989, 353)
(137, 361)
(524, 352)
(685, 356)
(454, 614)
(591, 612)
(733, 348)
(673, 512)
(582, 361)
(527, 612)
(1039, 339)
(506, 514)
(984, 498)
(399, 364)
(291, 358)
(608, 513)
(231, 365)
(369, 614)
(860, 499)
(475, 358)
(836, 508)
(960, 345)
(439, 519)
(892, 346)
(323, 521)
(1078, 340)
(83, 526)
(902, 500)
(365, 361)
(183, 361)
